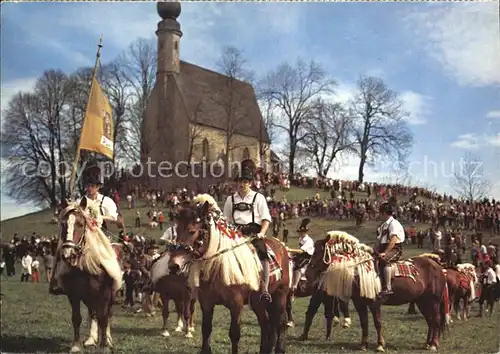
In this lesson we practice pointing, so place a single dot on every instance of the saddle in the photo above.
(404, 269)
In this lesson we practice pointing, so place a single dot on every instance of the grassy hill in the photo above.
(34, 321)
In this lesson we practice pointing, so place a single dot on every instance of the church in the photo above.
(194, 113)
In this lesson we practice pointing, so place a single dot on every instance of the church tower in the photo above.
(165, 138)
(169, 35)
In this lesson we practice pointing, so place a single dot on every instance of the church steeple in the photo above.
(169, 35)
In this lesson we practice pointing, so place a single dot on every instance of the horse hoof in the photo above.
(380, 349)
(178, 329)
(189, 335)
(165, 333)
(75, 349)
(432, 348)
(290, 324)
(302, 338)
(363, 348)
(91, 342)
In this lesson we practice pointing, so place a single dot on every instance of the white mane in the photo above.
(202, 198)
(238, 266)
(347, 257)
(97, 252)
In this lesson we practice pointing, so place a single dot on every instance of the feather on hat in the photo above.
(303, 225)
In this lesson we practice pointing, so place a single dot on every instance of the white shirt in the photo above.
(307, 244)
(36, 264)
(170, 234)
(108, 206)
(497, 270)
(395, 228)
(491, 276)
(261, 209)
(26, 263)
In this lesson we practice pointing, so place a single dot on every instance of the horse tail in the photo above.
(444, 309)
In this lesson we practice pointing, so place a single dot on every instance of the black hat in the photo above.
(92, 175)
(247, 170)
(303, 225)
(387, 208)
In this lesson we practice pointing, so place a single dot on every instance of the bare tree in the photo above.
(231, 95)
(138, 64)
(293, 91)
(267, 125)
(54, 90)
(331, 133)
(469, 180)
(119, 92)
(381, 129)
(29, 176)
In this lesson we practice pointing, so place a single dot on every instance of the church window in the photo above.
(176, 45)
(246, 154)
(205, 149)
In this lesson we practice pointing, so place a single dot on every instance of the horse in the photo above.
(333, 305)
(332, 308)
(173, 287)
(91, 273)
(461, 281)
(348, 270)
(225, 270)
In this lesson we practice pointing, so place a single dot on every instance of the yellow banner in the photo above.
(97, 131)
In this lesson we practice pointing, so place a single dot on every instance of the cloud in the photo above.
(463, 39)
(494, 140)
(10, 88)
(417, 105)
(466, 141)
(471, 141)
(493, 114)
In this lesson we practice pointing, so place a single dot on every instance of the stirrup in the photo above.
(265, 295)
(70, 244)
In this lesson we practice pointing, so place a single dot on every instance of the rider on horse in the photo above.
(248, 210)
(307, 246)
(107, 209)
(391, 236)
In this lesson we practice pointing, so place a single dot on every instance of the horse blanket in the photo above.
(274, 266)
(405, 269)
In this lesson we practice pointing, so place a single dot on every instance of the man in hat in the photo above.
(300, 261)
(248, 210)
(390, 241)
(109, 213)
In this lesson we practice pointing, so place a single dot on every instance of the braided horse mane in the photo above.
(347, 257)
(97, 254)
(226, 260)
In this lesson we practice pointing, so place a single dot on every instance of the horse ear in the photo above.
(205, 208)
(64, 204)
(83, 203)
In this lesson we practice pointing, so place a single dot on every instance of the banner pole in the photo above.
(77, 156)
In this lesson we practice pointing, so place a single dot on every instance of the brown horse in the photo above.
(228, 272)
(348, 271)
(89, 273)
(173, 287)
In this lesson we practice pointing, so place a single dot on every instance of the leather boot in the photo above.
(267, 273)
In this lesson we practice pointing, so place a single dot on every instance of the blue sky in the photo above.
(443, 59)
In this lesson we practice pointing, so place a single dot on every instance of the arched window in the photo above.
(205, 150)
(246, 154)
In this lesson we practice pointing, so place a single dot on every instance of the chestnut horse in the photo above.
(173, 287)
(90, 272)
(348, 269)
(226, 271)
(461, 282)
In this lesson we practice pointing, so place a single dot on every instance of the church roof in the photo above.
(207, 98)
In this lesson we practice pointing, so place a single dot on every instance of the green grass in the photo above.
(34, 321)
